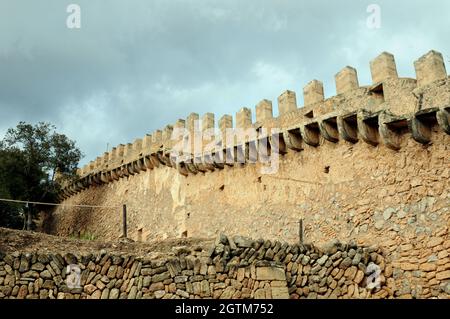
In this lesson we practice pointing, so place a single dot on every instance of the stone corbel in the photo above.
(252, 151)
(348, 127)
(443, 118)
(97, 179)
(130, 169)
(148, 162)
(140, 164)
(125, 171)
(421, 123)
(120, 171)
(328, 128)
(218, 159)
(264, 149)
(181, 167)
(389, 129)
(293, 139)
(241, 154)
(311, 133)
(368, 127)
(103, 177)
(191, 167)
(208, 162)
(277, 143)
(114, 174)
(155, 160)
(229, 156)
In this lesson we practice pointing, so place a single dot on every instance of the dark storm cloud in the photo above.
(135, 66)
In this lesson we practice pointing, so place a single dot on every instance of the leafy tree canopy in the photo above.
(31, 156)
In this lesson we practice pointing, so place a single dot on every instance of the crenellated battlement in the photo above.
(385, 113)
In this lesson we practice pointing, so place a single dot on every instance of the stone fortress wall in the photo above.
(370, 164)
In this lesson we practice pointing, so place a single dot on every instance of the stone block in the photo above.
(346, 80)
(264, 111)
(207, 121)
(313, 92)
(137, 146)
(260, 294)
(270, 273)
(429, 68)
(244, 118)
(383, 67)
(146, 143)
(157, 136)
(193, 122)
(280, 293)
(287, 102)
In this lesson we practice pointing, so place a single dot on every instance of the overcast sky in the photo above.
(135, 66)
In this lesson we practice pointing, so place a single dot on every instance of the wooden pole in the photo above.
(29, 217)
(124, 214)
(300, 231)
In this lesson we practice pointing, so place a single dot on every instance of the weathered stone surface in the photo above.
(133, 292)
(280, 293)
(228, 293)
(428, 267)
(89, 289)
(270, 273)
(105, 294)
(159, 294)
(46, 274)
(114, 293)
(260, 294)
(443, 275)
(37, 267)
(161, 277)
(241, 241)
(321, 261)
(359, 277)
(182, 293)
(346, 262)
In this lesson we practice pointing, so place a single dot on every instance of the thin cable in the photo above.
(55, 204)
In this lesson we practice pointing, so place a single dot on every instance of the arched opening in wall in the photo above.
(221, 188)
(139, 235)
(184, 234)
(326, 169)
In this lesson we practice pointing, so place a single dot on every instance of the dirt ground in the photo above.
(28, 241)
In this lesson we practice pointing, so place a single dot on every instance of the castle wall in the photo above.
(371, 164)
(351, 188)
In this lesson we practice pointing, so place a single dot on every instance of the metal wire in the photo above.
(55, 204)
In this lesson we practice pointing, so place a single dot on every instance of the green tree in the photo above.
(30, 158)
(12, 177)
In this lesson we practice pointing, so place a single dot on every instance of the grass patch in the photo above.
(85, 235)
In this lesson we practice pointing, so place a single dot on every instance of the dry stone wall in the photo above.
(232, 268)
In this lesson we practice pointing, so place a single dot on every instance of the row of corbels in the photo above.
(429, 68)
(371, 127)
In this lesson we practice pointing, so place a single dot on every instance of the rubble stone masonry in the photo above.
(231, 268)
(371, 164)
